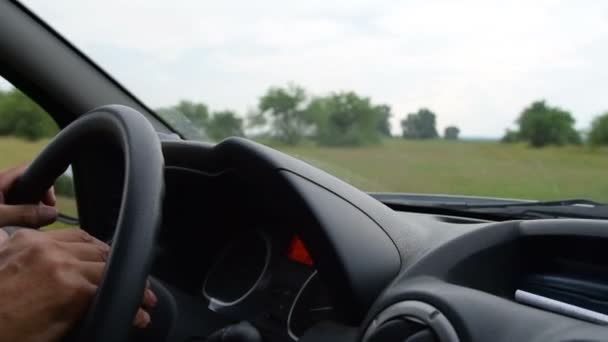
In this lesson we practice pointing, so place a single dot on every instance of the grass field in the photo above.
(466, 168)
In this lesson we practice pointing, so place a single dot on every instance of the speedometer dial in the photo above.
(312, 305)
(238, 271)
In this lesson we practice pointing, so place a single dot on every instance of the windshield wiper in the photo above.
(505, 209)
(572, 208)
(560, 203)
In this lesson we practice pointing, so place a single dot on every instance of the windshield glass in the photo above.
(485, 98)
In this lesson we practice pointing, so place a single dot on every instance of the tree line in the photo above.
(290, 115)
(286, 114)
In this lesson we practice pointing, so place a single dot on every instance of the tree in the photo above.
(599, 130)
(197, 113)
(346, 119)
(384, 124)
(283, 108)
(542, 125)
(419, 125)
(223, 124)
(510, 137)
(189, 118)
(22, 117)
(451, 133)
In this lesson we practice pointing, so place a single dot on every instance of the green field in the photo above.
(467, 168)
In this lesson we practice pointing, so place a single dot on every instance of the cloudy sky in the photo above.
(476, 63)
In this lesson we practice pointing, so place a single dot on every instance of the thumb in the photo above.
(32, 216)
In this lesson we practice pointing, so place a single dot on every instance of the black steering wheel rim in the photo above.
(120, 292)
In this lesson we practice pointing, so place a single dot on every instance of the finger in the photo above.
(86, 251)
(49, 197)
(142, 319)
(9, 176)
(3, 236)
(74, 235)
(150, 299)
(32, 216)
(91, 271)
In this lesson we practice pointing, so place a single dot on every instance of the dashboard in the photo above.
(251, 235)
(230, 250)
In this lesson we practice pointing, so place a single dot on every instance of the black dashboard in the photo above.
(252, 235)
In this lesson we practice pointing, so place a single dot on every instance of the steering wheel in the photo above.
(120, 291)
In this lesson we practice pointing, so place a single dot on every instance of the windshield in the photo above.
(483, 98)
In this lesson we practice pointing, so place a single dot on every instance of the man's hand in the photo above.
(47, 282)
(47, 279)
(9, 176)
(32, 216)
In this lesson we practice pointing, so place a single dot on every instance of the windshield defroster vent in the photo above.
(410, 321)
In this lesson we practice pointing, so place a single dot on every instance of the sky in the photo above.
(475, 63)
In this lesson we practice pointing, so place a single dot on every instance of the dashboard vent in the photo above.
(410, 321)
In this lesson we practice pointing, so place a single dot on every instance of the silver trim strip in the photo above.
(559, 307)
(419, 312)
(295, 302)
(215, 304)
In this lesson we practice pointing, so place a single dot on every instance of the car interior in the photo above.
(245, 243)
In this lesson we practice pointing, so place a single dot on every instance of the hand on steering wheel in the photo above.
(122, 278)
(32, 216)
